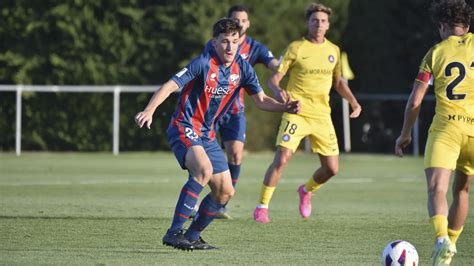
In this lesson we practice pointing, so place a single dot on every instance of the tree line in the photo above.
(144, 42)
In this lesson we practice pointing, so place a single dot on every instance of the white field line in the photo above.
(336, 180)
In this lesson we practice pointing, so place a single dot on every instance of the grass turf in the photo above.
(90, 208)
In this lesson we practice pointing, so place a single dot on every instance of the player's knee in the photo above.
(203, 175)
(225, 195)
(463, 190)
(234, 158)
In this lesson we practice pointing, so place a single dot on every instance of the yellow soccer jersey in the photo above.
(311, 68)
(450, 65)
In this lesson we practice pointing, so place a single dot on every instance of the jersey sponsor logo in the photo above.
(317, 71)
(331, 58)
(462, 118)
(180, 73)
(244, 56)
(219, 92)
(234, 78)
(285, 137)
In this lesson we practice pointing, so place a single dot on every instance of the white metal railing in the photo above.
(380, 97)
(116, 90)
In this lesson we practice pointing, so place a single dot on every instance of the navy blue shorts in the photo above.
(232, 127)
(182, 138)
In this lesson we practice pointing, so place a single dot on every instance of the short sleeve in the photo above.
(264, 55)
(288, 58)
(188, 73)
(250, 82)
(426, 69)
(337, 72)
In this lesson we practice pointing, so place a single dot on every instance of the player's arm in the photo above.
(341, 86)
(274, 84)
(412, 110)
(146, 116)
(273, 64)
(269, 104)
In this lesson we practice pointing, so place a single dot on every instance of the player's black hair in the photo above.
(238, 8)
(225, 25)
(451, 12)
(315, 7)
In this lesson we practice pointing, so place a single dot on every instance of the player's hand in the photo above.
(293, 107)
(356, 109)
(282, 96)
(401, 143)
(143, 118)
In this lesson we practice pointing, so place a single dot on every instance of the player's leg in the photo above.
(232, 129)
(200, 172)
(324, 142)
(235, 151)
(221, 192)
(329, 168)
(441, 153)
(460, 207)
(438, 184)
(461, 186)
(292, 130)
(272, 176)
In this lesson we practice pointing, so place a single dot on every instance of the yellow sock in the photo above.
(440, 225)
(266, 195)
(454, 234)
(311, 185)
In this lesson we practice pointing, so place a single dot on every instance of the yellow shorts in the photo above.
(450, 149)
(321, 133)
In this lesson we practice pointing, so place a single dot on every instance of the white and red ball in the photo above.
(399, 253)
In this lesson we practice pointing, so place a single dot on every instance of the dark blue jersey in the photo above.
(253, 52)
(208, 89)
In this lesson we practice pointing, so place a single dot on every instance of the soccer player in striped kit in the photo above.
(232, 125)
(210, 83)
(449, 66)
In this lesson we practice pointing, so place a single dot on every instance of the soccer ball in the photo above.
(401, 253)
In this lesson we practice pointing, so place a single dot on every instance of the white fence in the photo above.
(117, 90)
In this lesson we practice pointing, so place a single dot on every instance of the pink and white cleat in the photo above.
(305, 202)
(261, 215)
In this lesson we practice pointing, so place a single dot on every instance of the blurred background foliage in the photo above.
(144, 42)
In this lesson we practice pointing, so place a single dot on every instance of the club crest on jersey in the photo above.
(234, 78)
(331, 58)
(285, 137)
(244, 56)
(213, 77)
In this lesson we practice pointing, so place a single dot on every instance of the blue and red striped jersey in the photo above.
(208, 89)
(253, 52)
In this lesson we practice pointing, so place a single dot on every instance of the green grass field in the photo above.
(71, 208)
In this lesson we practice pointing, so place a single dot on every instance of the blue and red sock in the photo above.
(206, 214)
(234, 173)
(186, 203)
